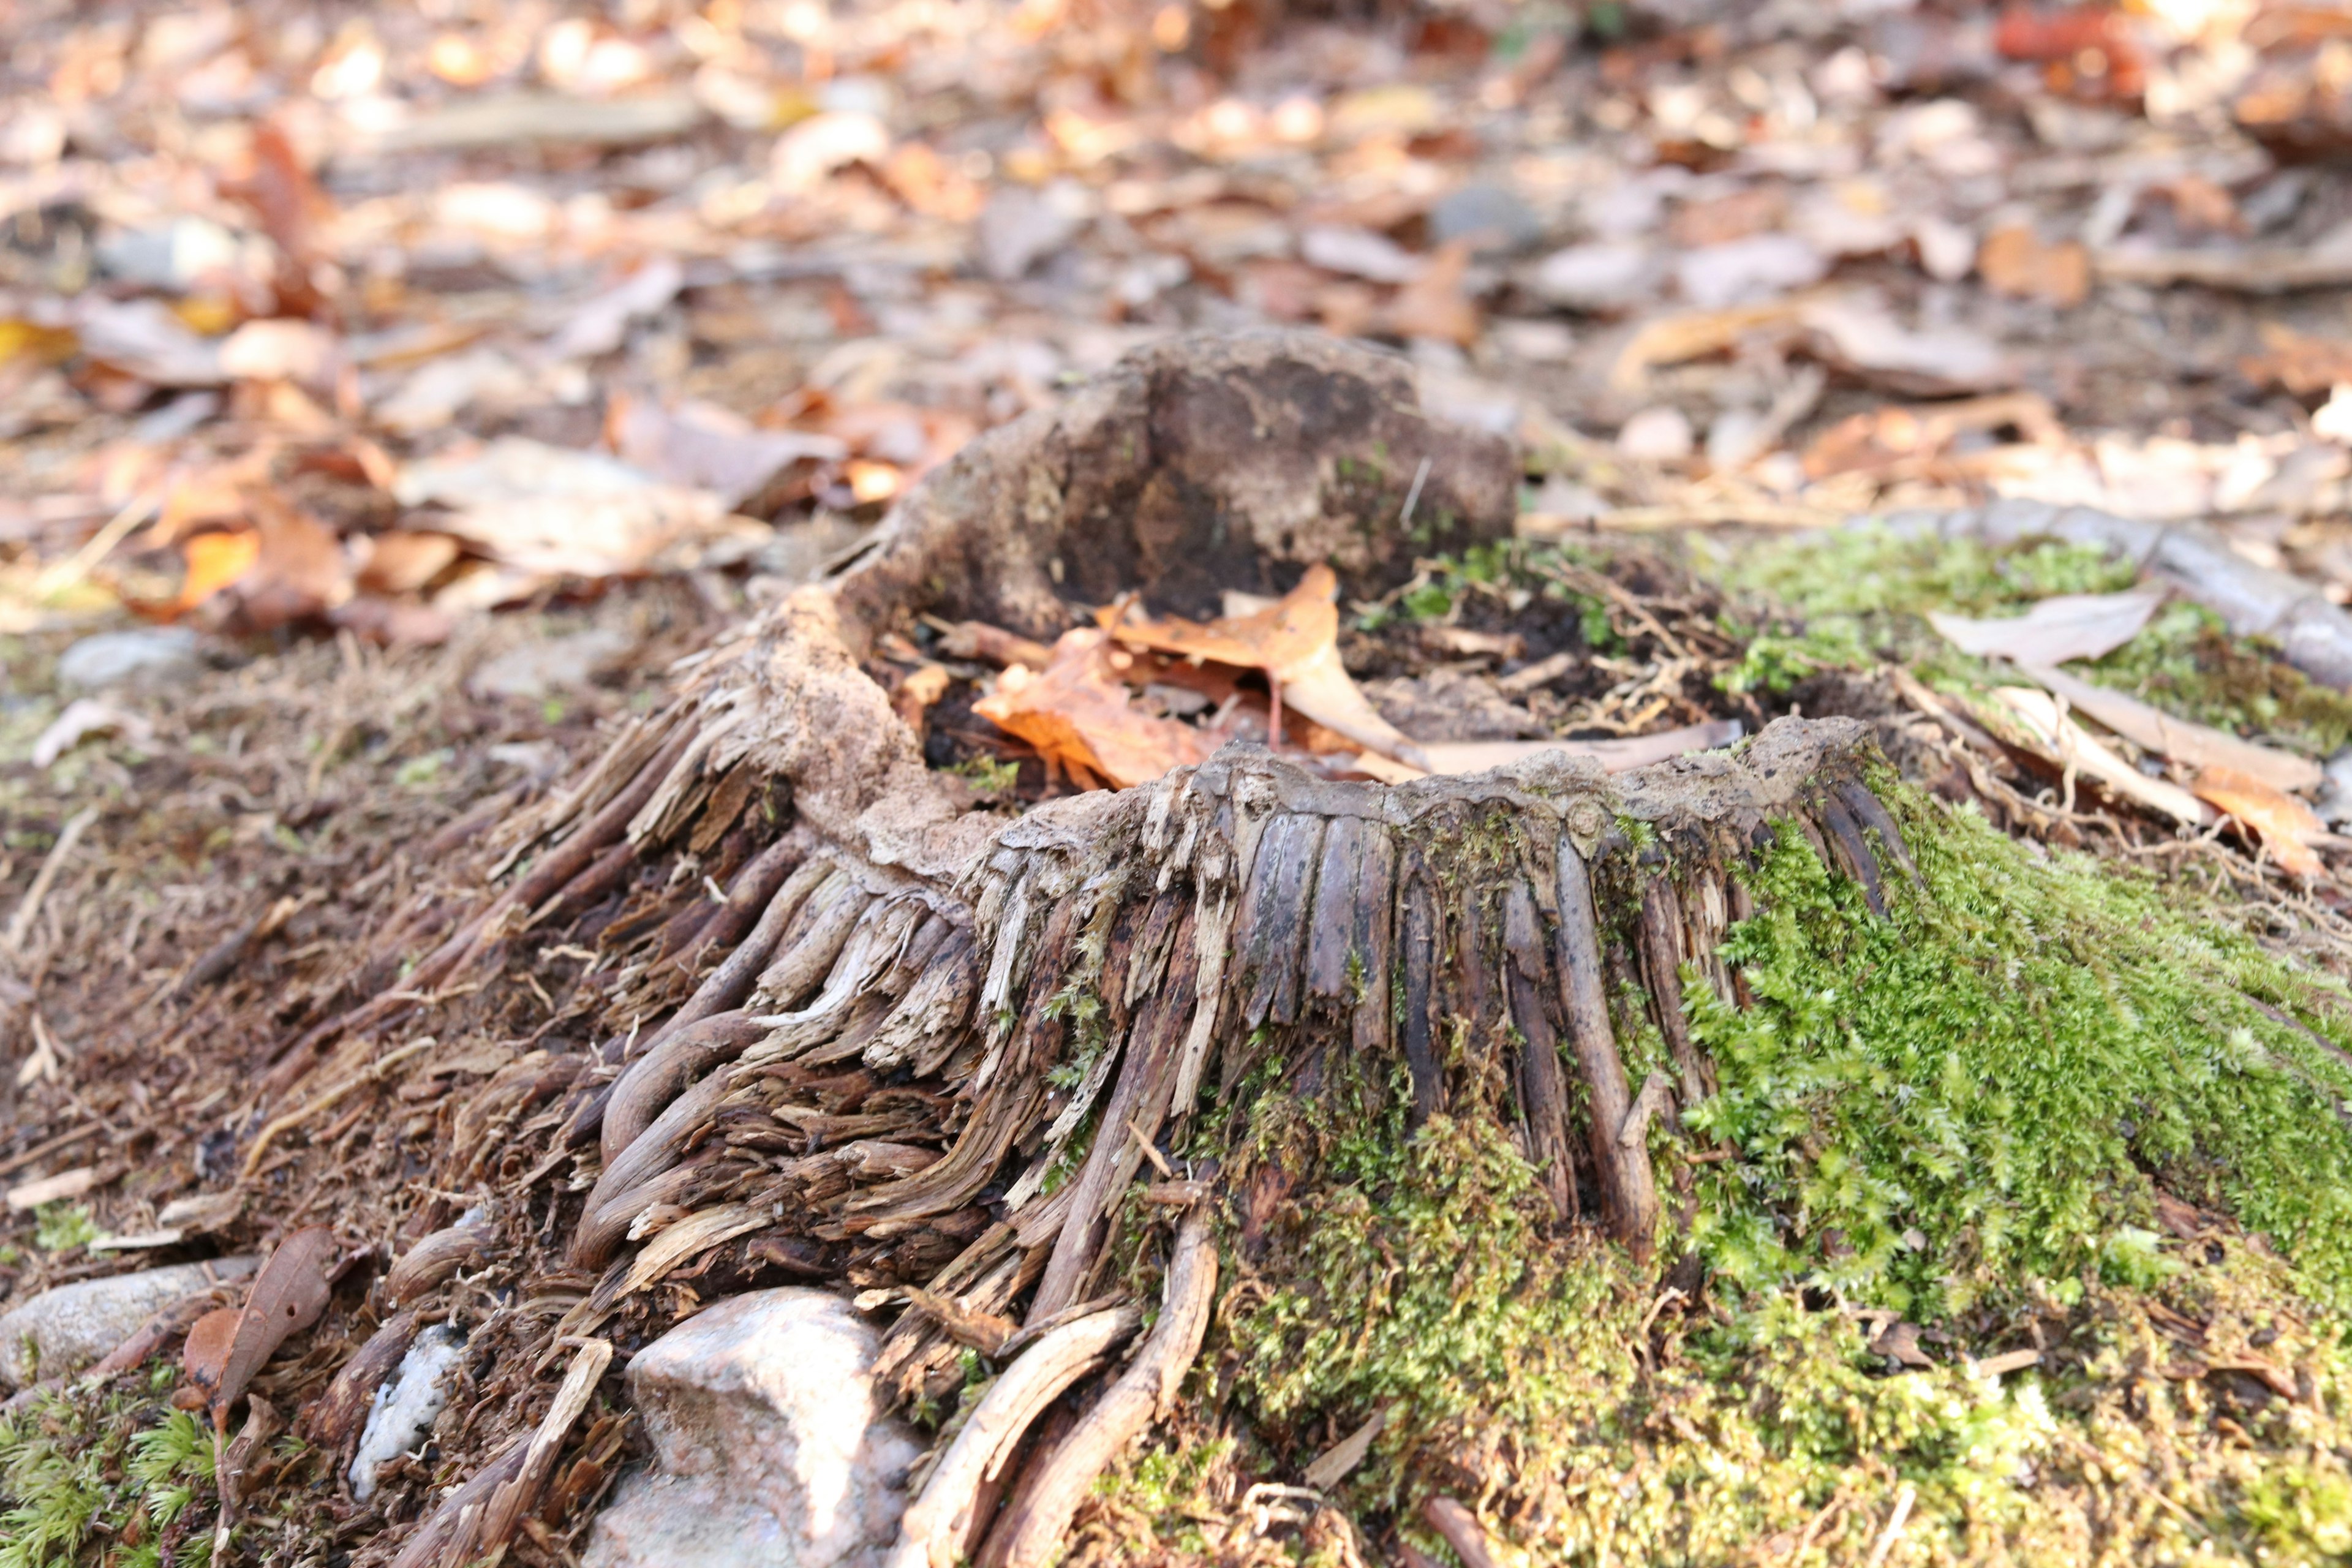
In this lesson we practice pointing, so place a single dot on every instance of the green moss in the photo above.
(1855, 597)
(109, 1479)
(1962, 1114)
(60, 1225)
(1981, 1091)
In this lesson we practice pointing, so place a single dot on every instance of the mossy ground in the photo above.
(2033, 1108)
(119, 1479)
(1855, 598)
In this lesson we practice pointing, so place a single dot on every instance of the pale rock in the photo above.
(407, 1405)
(65, 1329)
(172, 258)
(770, 1444)
(1491, 215)
(1358, 252)
(1601, 275)
(1661, 435)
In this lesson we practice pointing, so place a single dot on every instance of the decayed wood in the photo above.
(1273, 924)
(510, 1501)
(1033, 1527)
(1856, 851)
(433, 1259)
(1660, 933)
(1543, 1097)
(654, 1080)
(335, 1418)
(932, 1532)
(1132, 1118)
(1872, 813)
(1629, 1192)
(1417, 937)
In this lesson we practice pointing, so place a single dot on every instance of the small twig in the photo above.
(301, 1113)
(1895, 1521)
(83, 561)
(21, 924)
(1413, 496)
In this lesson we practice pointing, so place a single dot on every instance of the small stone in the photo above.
(144, 656)
(1760, 266)
(1491, 215)
(770, 1444)
(62, 1330)
(172, 259)
(407, 1405)
(1660, 435)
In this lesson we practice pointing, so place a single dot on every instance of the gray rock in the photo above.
(1492, 214)
(144, 656)
(65, 1329)
(771, 1448)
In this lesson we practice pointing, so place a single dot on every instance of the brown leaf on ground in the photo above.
(2284, 824)
(1296, 640)
(206, 1355)
(288, 1296)
(1080, 717)
(1433, 305)
(2305, 366)
(2014, 260)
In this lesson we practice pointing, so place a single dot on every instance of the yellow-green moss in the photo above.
(1855, 597)
(104, 1480)
(1960, 1115)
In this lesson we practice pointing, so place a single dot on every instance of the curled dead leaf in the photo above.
(2283, 824)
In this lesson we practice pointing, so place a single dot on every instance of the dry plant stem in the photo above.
(433, 1259)
(441, 1540)
(936, 1525)
(20, 924)
(1461, 1531)
(1032, 1530)
(754, 888)
(1629, 1192)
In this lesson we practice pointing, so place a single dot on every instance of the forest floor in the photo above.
(415, 384)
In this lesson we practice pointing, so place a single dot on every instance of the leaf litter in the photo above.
(731, 293)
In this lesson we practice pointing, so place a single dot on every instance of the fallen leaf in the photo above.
(2015, 261)
(2284, 824)
(2062, 627)
(1078, 714)
(401, 561)
(1295, 641)
(2194, 745)
(1433, 304)
(712, 449)
(215, 561)
(602, 324)
(2305, 366)
(560, 511)
(205, 1355)
(288, 1296)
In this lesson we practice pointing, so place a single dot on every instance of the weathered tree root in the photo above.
(933, 1050)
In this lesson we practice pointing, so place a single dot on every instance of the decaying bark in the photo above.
(933, 1051)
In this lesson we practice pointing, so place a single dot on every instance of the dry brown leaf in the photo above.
(1433, 304)
(288, 1296)
(1296, 640)
(214, 561)
(2284, 824)
(2015, 261)
(2305, 366)
(402, 561)
(1080, 717)
(206, 1352)
(2048, 730)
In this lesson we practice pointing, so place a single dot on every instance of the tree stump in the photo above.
(1011, 1078)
